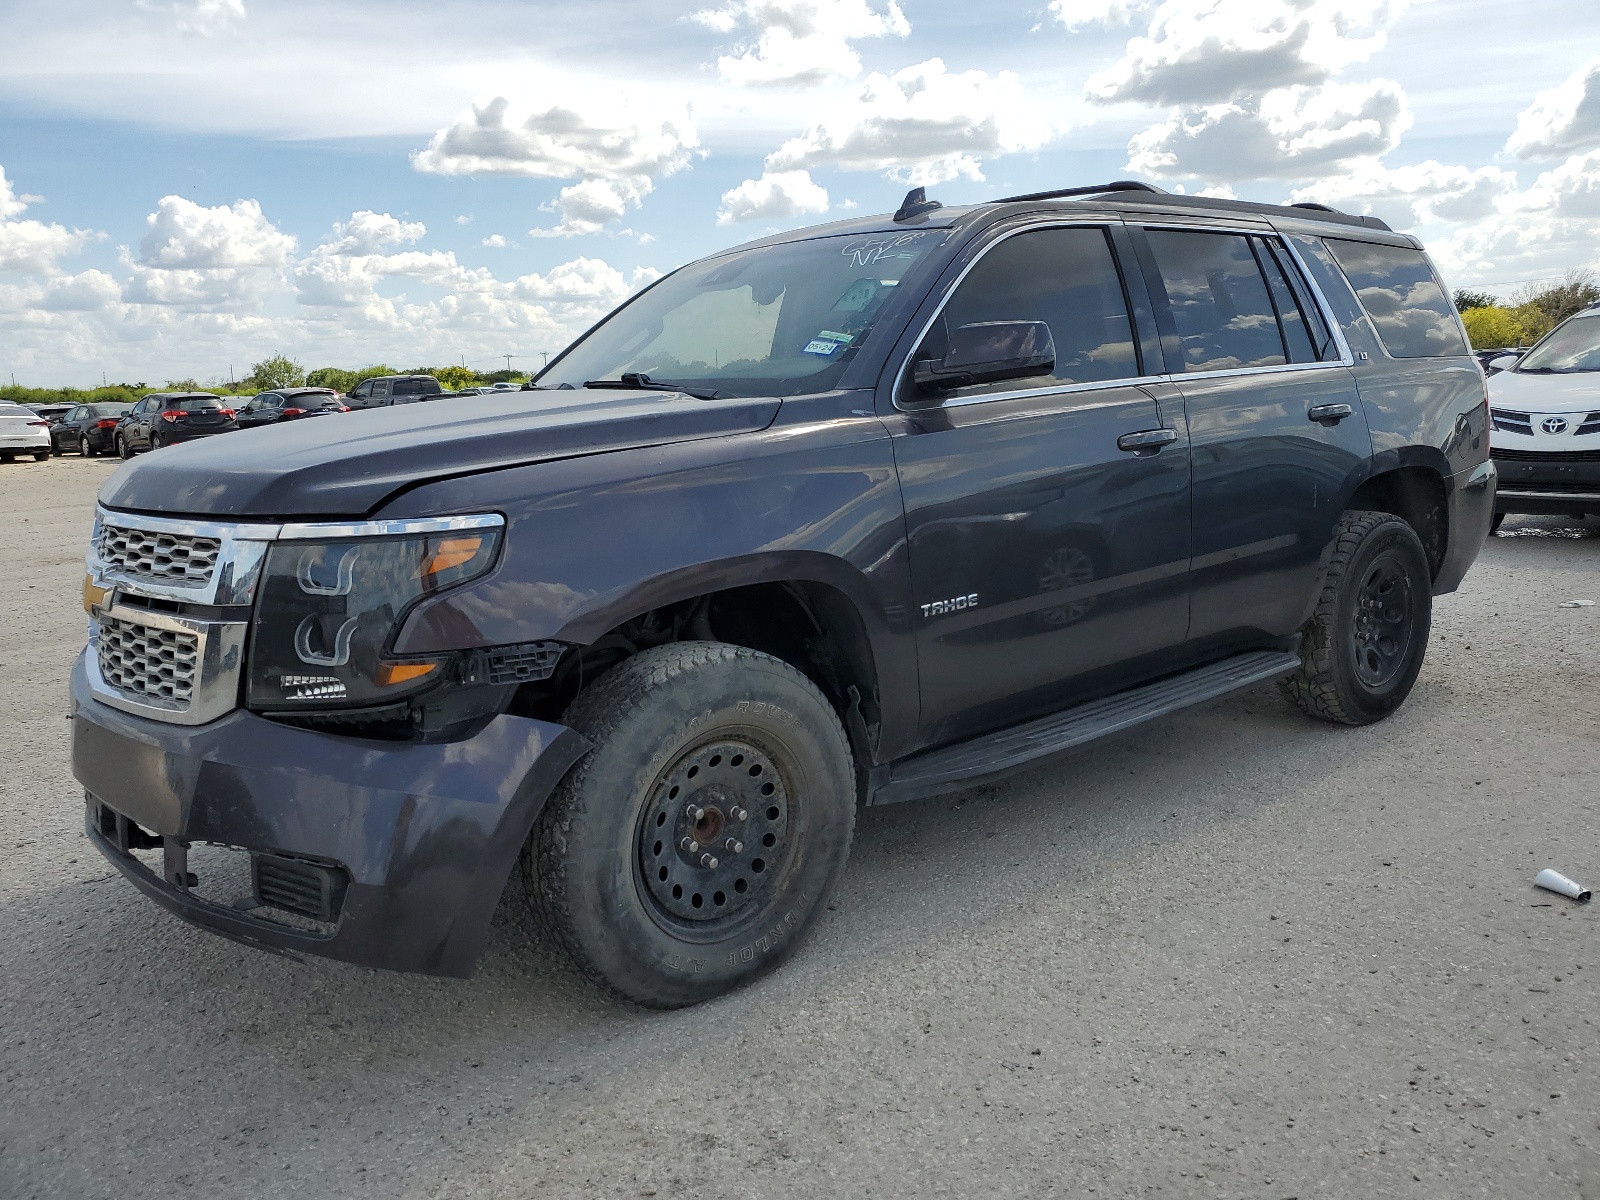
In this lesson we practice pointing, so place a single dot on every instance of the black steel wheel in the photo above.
(694, 847)
(1364, 645)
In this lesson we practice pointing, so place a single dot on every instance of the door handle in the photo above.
(1147, 441)
(1328, 414)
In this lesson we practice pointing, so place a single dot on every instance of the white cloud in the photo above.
(1080, 14)
(203, 17)
(32, 246)
(773, 197)
(224, 257)
(496, 241)
(183, 234)
(1292, 132)
(463, 219)
(1564, 119)
(1208, 51)
(1426, 193)
(800, 42)
(922, 124)
(587, 207)
(366, 231)
(556, 143)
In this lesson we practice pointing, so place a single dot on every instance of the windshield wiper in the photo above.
(638, 379)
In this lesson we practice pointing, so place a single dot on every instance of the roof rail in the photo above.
(1116, 185)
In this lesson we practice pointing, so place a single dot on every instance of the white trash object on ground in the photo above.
(1577, 604)
(1554, 881)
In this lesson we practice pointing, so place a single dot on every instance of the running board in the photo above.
(996, 754)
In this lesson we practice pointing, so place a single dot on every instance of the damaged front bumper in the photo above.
(385, 854)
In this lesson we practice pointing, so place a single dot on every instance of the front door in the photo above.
(1042, 552)
(1276, 427)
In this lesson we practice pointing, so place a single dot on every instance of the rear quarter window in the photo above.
(1399, 291)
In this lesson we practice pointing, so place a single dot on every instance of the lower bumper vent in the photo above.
(299, 887)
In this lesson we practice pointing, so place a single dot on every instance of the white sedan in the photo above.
(22, 431)
(1544, 412)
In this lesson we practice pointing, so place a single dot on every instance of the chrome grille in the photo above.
(157, 666)
(166, 557)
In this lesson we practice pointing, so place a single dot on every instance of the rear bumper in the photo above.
(425, 834)
(1471, 501)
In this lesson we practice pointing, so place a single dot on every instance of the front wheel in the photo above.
(694, 847)
(1364, 645)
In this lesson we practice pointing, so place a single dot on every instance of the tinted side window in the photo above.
(414, 387)
(380, 389)
(1401, 294)
(1066, 278)
(1219, 301)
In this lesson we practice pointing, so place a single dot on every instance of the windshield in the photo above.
(109, 410)
(775, 321)
(1572, 347)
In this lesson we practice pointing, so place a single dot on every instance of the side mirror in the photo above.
(987, 351)
(1504, 362)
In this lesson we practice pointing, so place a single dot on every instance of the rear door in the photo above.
(1276, 428)
(1041, 550)
(379, 393)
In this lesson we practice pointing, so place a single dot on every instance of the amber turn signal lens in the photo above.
(452, 552)
(390, 674)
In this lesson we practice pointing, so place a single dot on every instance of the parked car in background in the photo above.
(393, 389)
(90, 429)
(22, 431)
(506, 387)
(1485, 357)
(51, 412)
(1544, 409)
(289, 404)
(164, 418)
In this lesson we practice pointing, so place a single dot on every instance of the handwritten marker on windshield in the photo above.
(1554, 881)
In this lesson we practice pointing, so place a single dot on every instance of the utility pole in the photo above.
(508, 358)
(545, 354)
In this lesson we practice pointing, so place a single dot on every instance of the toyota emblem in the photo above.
(1554, 424)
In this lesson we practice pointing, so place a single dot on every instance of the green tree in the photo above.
(1467, 298)
(456, 378)
(279, 371)
(373, 372)
(1555, 303)
(336, 378)
(183, 385)
(1491, 327)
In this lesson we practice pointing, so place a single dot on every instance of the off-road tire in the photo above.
(585, 862)
(1328, 685)
(85, 449)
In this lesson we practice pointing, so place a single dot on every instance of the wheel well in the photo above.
(813, 627)
(1415, 495)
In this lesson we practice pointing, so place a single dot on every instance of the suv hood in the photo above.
(347, 464)
(1577, 392)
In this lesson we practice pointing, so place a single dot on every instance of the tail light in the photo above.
(342, 408)
(46, 424)
(227, 413)
(294, 412)
(109, 424)
(171, 415)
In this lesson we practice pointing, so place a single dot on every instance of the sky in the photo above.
(190, 186)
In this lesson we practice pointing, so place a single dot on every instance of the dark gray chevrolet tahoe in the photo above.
(851, 515)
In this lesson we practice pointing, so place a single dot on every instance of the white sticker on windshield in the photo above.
(821, 346)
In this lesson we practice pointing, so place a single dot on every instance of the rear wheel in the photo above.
(693, 848)
(84, 448)
(157, 441)
(123, 449)
(1494, 525)
(41, 456)
(1364, 645)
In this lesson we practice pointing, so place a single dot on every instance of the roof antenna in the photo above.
(915, 204)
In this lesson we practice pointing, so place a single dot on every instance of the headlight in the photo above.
(327, 612)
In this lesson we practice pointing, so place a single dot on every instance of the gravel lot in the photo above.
(1233, 954)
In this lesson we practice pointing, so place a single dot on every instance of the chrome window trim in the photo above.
(217, 673)
(1345, 359)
